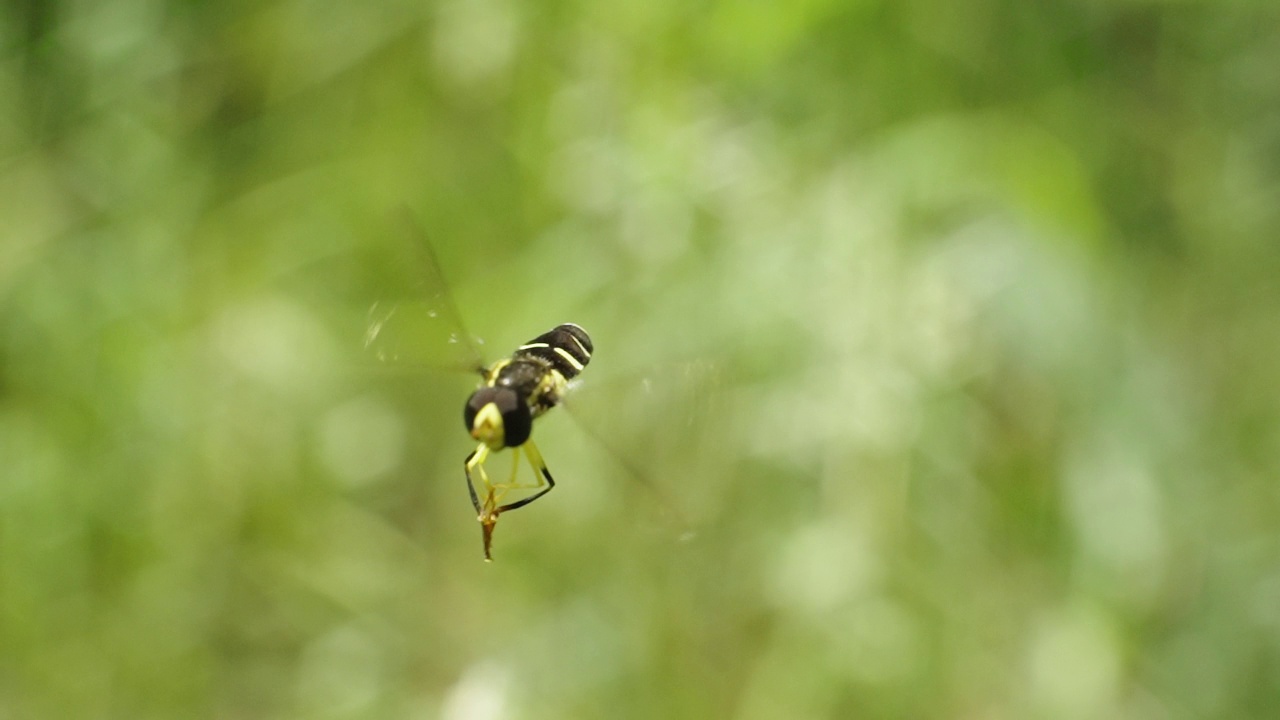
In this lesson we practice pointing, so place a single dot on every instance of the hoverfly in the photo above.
(500, 413)
(513, 392)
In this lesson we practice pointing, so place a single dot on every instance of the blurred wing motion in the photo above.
(416, 323)
(657, 427)
(653, 424)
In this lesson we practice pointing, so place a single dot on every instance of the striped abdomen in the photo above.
(567, 348)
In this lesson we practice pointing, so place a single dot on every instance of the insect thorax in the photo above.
(533, 378)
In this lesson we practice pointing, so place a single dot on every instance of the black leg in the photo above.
(467, 464)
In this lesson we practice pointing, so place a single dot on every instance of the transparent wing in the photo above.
(415, 322)
(655, 426)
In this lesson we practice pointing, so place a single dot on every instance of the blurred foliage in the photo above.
(983, 298)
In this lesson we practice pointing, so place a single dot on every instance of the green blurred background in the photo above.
(952, 330)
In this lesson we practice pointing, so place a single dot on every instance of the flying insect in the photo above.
(513, 392)
(500, 414)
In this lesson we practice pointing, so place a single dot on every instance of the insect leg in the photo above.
(485, 512)
(540, 471)
(500, 489)
(475, 461)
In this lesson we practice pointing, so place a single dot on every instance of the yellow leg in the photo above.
(502, 488)
(540, 472)
(475, 463)
(488, 511)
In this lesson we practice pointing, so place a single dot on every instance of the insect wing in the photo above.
(654, 425)
(415, 323)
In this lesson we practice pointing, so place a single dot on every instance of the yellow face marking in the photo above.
(573, 362)
(533, 346)
(581, 347)
(487, 427)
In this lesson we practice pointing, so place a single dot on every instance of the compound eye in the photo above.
(517, 421)
(487, 405)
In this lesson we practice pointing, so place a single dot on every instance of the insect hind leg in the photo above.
(541, 473)
(486, 512)
(501, 489)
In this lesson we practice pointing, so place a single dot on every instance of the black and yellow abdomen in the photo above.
(566, 348)
(540, 369)
(501, 412)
